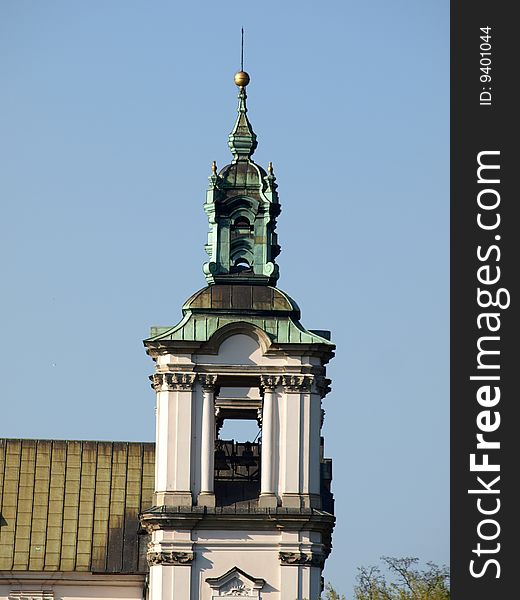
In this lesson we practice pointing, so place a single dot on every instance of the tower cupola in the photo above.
(242, 206)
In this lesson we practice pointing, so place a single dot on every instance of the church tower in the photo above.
(240, 517)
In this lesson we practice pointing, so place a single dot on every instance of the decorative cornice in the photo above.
(170, 558)
(311, 559)
(172, 382)
(252, 519)
(269, 382)
(208, 381)
(296, 383)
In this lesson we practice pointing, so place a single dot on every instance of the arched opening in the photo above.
(241, 265)
(237, 446)
(242, 225)
(241, 229)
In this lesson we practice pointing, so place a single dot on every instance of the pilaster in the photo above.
(300, 442)
(301, 561)
(170, 557)
(173, 438)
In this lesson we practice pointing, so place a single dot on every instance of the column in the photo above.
(207, 442)
(268, 496)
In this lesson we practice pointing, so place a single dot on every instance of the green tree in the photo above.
(405, 581)
(331, 594)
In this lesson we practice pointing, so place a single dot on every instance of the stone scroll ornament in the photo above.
(297, 383)
(208, 381)
(269, 382)
(310, 559)
(170, 558)
(172, 382)
(234, 588)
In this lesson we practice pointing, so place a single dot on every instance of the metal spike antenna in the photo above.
(242, 52)
(242, 140)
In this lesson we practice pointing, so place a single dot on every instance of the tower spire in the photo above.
(242, 206)
(242, 139)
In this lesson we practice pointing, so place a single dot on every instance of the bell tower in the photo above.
(240, 517)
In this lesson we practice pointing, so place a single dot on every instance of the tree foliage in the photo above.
(405, 581)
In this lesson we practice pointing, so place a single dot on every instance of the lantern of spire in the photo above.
(242, 206)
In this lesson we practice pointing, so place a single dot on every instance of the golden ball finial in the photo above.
(241, 79)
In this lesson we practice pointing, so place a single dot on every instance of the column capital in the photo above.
(322, 385)
(208, 381)
(269, 382)
(310, 559)
(170, 558)
(297, 383)
(172, 382)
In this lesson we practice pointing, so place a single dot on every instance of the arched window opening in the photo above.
(237, 446)
(240, 265)
(242, 222)
(241, 228)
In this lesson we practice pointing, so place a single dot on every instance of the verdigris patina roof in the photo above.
(242, 178)
(217, 306)
(74, 505)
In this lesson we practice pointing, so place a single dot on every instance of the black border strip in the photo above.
(484, 121)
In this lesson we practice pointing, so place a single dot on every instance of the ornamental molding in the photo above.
(208, 381)
(234, 588)
(269, 382)
(235, 583)
(297, 383)
(172, 382)
(170, 558)
(31, 595)
(309, 559)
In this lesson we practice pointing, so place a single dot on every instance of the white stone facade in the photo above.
(200, 551)
(289, 563)
(291, 423)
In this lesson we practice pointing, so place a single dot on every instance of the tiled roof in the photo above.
(74, 505)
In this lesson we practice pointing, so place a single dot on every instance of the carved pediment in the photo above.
(235, 583)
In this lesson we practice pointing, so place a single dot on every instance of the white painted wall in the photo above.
(257, 553)
(71, 586)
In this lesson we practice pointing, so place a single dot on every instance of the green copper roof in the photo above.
(218, 306)
(242, 140)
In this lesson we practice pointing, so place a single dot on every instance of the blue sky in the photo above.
(110, 116)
